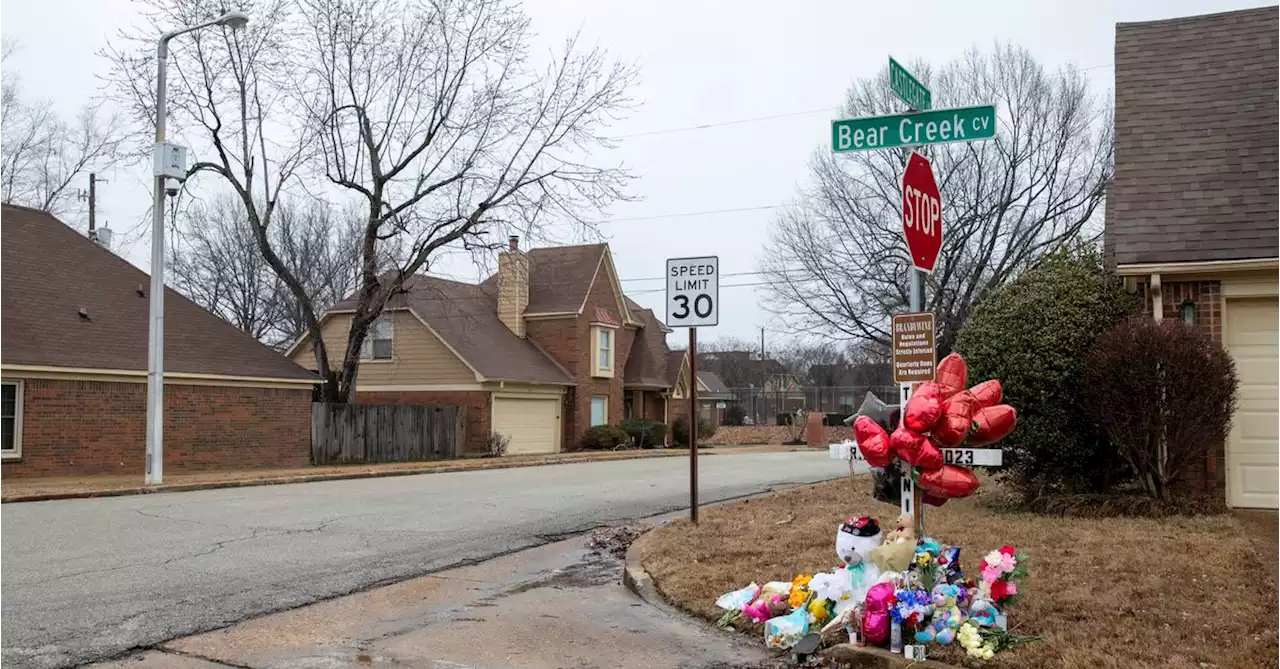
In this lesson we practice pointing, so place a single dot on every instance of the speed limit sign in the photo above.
(693, 292)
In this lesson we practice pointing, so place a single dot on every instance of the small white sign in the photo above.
(960, 457)
(693, 292)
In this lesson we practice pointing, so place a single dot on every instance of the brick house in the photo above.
(1191, 212)
(73, 366)
(542, 350)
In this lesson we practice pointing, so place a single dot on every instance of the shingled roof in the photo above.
(1196, 139)
(560, 276)
(51, 272)
(465, 316)
(647, 364)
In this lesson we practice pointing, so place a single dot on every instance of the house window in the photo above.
(599, 410)
(377, 343)
(11, 420)
(602, 351)
(1189, 312)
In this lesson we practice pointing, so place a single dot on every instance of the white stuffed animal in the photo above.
(854, 542)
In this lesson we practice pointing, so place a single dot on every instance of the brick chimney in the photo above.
(513, 286)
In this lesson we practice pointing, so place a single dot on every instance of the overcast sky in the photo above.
(704, 65)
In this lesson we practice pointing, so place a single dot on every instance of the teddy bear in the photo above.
(899, 546)
(855, 540)
(947, 617)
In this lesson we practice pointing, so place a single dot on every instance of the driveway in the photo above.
(90, 579)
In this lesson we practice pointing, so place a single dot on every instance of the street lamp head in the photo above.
(234, 19)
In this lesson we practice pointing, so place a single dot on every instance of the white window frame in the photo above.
(16, 452)
(602, 357)
(366, 349)
(604, 403)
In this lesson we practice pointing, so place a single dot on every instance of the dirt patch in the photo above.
(1131, 593)
(614, 540)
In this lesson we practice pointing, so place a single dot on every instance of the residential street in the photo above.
(90, 579)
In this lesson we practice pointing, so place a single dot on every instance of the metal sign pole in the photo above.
(693, 425)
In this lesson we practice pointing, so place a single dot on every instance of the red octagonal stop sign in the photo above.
(921, 212)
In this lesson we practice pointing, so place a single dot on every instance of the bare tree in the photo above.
(430, 114)
(42, 155)
(216, 262)
(837, 263)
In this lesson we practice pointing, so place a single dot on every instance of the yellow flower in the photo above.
(800, 581)
(798, 597)
(818, 610)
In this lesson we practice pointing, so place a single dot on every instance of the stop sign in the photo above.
(921, 212)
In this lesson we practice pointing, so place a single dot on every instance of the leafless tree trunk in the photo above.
(431, 115)
(837, 262)
(42, 155)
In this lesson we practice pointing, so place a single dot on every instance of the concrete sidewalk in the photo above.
(72, 487)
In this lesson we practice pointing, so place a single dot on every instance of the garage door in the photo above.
(1253, 452)
(530, 423)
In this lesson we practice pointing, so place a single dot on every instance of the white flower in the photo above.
(834, 586)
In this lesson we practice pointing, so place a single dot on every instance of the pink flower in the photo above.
(1007, 563)
(1011, 588)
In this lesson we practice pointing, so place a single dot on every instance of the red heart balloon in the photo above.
(953, 375)
(949, 481)
(993, 424)
(915, 448)
(987, 393)
(873, 441)
(924, 408)
(957, 420)
(931, 500)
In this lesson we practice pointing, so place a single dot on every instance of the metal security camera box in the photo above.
(170, 161)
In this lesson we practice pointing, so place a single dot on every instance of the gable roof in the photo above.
(560, 277)
(1195, 139)
(50, 272)
(675, 365)
(647, 363)
(465, 317)
(714, 385)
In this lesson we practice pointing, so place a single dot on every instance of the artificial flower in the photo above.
(799, 591)
(1008, 550)
(831, 586)
(999, 590)
(818, 612)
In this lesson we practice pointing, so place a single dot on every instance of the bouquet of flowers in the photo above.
(1001, 571)
(981, 643)
(799, 591)
(911, 609)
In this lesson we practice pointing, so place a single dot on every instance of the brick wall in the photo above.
(1206, 296)
(568, 341)
(475, 403)
(72, 428)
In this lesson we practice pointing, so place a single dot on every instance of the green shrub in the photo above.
(680, 431)
(644, 433)
(604, 437)
(1034, 335)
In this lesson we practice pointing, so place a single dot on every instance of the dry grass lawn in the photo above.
(1127, 593)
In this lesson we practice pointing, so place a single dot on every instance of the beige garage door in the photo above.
(532, 424)
(1253, 452)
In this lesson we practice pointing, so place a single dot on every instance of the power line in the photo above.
(710, 212)
(721, 124)
(727, 285)
(756, 273)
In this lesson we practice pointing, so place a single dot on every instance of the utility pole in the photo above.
(92, 196)
(763, 378)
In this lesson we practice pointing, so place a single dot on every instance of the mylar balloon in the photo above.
(931, 500)
(987, 393)
(957, 419)
(953, 375)
(949, 481)
(875, 616)
(873, 441)
(993, 424)
(915, 448)
(924, 408)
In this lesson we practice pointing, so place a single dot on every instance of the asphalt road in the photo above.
(90, 579)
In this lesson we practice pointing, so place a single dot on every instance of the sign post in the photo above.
(693, 300)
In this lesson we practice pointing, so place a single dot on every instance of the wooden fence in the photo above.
(368, 433)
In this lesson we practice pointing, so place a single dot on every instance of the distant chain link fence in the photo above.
(761, 407)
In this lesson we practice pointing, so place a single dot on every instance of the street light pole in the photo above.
(155, 330)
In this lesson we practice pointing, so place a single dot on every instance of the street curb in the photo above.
(638, 581)
(310, 478)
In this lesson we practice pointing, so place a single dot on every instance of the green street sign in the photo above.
(908, 88)
(963, 124)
